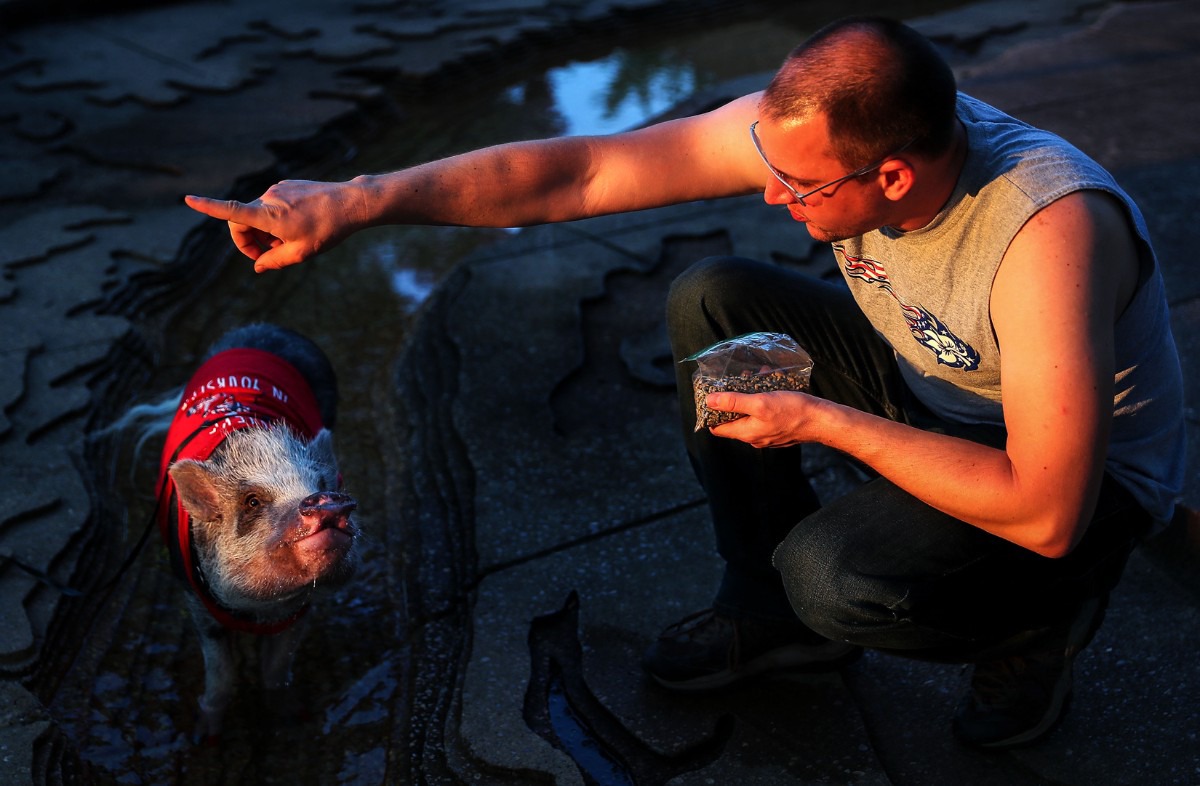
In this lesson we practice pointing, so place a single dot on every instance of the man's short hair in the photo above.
(880, 83)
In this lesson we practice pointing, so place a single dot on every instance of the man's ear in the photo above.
(898, 177)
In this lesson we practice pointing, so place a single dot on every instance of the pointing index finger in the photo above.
(223, 209)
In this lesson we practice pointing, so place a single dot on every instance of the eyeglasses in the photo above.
(801, 197)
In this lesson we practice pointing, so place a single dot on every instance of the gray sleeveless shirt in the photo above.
(927, 293)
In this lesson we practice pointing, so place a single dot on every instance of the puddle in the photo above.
(581, 744)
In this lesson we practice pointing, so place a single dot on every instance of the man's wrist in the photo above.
(362, 201)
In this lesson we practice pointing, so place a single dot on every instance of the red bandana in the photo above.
(236, 389)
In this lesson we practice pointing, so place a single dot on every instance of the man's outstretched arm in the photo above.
(516, 184)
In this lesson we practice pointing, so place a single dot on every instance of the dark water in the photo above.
(128, 700)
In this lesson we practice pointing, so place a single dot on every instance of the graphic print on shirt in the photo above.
(926, 328)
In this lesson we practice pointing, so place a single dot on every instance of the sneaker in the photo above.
(1019, 699)
(711, 649)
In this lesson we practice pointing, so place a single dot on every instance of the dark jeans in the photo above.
(876, 567)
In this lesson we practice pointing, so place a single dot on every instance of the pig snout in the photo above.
(327, 510)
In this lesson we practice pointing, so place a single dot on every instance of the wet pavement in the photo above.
(539, 523)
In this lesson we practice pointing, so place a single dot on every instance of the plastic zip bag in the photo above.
(751, 363)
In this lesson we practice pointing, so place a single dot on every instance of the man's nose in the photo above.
(776, 194)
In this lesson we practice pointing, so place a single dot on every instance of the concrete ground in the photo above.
(542, 524)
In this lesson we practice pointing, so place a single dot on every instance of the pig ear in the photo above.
(196, 491)
(321, 449)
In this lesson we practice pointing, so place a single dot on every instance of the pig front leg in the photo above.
(216, 644)
(276, 654)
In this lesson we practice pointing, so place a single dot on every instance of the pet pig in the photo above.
(250, 502)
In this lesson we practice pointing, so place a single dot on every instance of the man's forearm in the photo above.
(518, 184)
(973, 482)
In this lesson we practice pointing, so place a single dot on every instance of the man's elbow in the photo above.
(1056, 536)
(1054, 549)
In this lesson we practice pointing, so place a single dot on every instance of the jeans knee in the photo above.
(691, 287)
(825, 592)
(804, 576)
(700, 299)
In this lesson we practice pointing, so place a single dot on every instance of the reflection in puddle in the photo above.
(619, 92)
(413, 285)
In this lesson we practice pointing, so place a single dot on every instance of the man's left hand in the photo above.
(778, 419)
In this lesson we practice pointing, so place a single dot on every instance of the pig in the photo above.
(250, 504)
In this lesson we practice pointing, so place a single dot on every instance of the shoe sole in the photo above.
(803, 658)
(1054, 713)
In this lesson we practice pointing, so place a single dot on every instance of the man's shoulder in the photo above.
(972, 110)
(1011, 154)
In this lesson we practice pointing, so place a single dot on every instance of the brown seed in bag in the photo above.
(763, 382)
